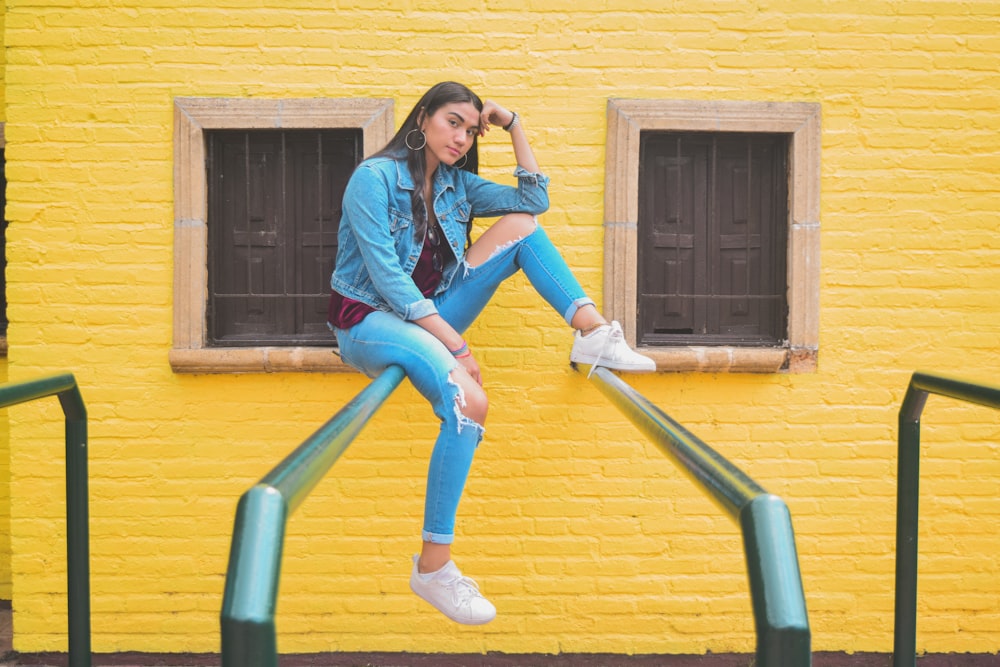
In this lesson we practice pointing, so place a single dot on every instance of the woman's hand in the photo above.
(493, 114)
(440, 329)
(472, 368)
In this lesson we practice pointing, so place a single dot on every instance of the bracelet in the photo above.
(462, 351)
(513, 122)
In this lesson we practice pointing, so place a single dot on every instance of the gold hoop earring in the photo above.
(406, 139)
(465, 159)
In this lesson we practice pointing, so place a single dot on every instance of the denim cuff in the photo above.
(419, 309)
(437, 538)
(534, 177)
(575, 306)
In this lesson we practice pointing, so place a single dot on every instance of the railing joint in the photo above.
(921, 385)
(65, 388)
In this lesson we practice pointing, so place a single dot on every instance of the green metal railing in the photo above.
(908, 496)
(77, 511)
(249, 637)
(779, 607)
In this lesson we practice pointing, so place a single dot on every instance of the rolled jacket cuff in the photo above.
(419, 309)
(538, 178)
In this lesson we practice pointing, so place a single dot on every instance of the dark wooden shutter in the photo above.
(274, 210)
(712, 235)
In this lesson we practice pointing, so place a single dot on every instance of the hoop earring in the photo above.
(406, 139)
(465, 158)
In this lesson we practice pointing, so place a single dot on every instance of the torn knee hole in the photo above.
(468, 409)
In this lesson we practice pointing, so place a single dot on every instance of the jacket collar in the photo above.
(443, 178)
(403, 177)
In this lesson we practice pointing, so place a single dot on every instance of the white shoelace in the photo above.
(463, 591)
(615, 334)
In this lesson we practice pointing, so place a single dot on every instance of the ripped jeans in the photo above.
(383, 339)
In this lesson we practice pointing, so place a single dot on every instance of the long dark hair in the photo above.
(446, 92)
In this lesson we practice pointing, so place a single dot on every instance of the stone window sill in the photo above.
(723, 359)
(258, 360)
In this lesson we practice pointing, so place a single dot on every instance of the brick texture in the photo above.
(588, 539)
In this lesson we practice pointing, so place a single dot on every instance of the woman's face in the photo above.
(450, 133)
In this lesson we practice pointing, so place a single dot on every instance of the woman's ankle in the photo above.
(591, 329)
(587, 319)
(433, 557)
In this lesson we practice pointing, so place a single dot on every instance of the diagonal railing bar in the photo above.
(77, 508)
(908, 496)
(249, 637)
(779, 607)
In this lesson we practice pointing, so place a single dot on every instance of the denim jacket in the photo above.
(377, 251)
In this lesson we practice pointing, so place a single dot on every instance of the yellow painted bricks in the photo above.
(585, 536)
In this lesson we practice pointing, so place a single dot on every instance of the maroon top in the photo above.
(344, 312)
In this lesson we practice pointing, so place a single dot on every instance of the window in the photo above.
(723, 200)
(274, 202)
(257, 187)
(712, 217)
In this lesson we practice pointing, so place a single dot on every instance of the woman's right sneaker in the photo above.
(606, 347)
(453, 595)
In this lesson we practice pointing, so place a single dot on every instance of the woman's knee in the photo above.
(506, 231)
(476, 405)
(471, 400)
(518, 225)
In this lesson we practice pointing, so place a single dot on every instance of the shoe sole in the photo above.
(590, 361)
(461, 621)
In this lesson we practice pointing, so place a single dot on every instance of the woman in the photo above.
(409, 281)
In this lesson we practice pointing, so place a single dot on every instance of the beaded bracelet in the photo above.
(513, 122)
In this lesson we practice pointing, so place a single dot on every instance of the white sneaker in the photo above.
(606, 347)
(453, 595)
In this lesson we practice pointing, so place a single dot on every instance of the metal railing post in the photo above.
(907, 520)
(904, 652)
(249, 634)
(779, 606)
(779, 610)
(77, 505)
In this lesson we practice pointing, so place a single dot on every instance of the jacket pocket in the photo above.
(399, 220)
(459, 212)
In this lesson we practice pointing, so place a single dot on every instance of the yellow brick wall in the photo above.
(4, 428)
(585, 536)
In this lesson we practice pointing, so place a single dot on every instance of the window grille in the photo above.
(274, 207)
(713, 212)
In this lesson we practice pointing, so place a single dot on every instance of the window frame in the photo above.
(627, 118)
(192, 117)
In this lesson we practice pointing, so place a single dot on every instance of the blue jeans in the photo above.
(383, 339)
